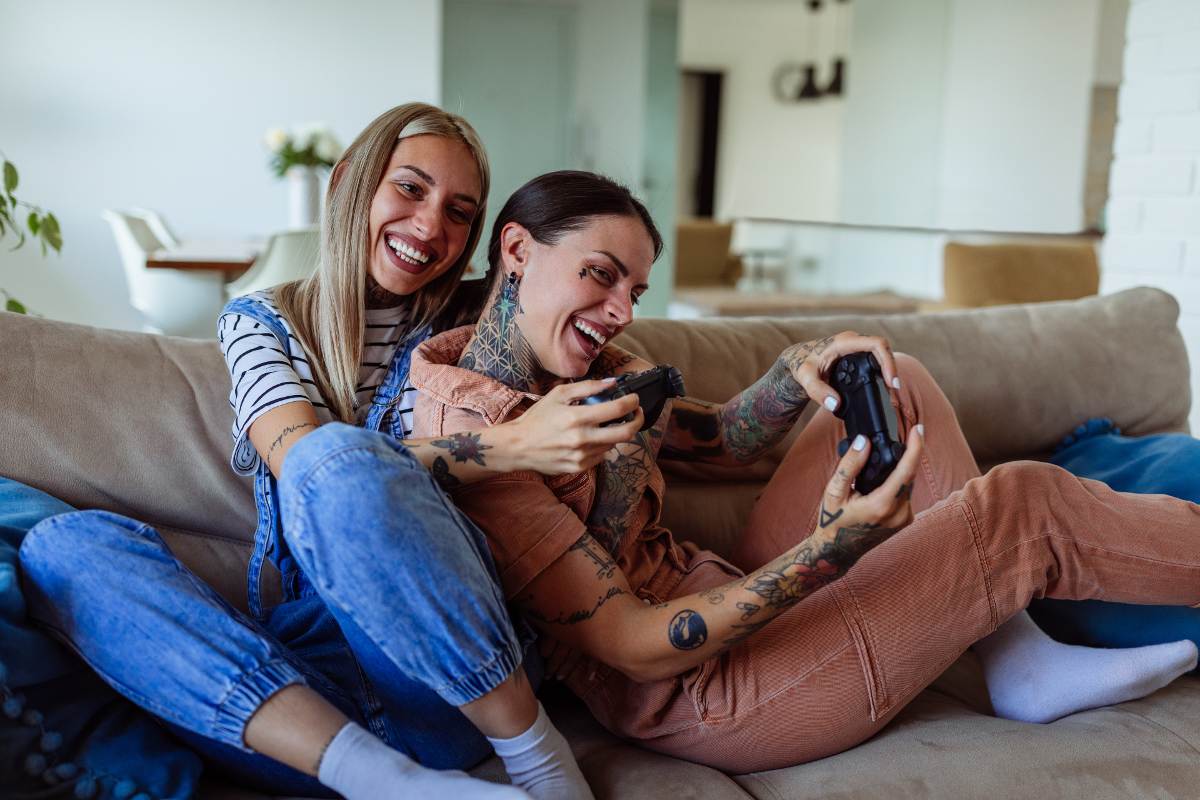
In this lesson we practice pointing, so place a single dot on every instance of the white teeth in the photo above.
(590, 331)
(406, 252)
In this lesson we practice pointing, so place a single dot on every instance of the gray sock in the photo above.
(359, 766)
(540, 762)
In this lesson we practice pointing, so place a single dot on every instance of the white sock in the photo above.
(540, 762)
(1033, 678)
(359, 766)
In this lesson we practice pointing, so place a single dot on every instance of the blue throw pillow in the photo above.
(63, 732)
(1163, 464)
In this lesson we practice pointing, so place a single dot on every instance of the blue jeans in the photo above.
(395, 614)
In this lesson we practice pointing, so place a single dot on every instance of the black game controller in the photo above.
(866, 409)
(652, 387)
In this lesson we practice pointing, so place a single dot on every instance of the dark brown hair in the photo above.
(550, 206)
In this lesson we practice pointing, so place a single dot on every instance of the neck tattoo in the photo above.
(379, 297)
(499, 349)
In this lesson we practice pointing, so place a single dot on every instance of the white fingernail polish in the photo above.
(896, 383)
(831, 403)
(921, 430)
(860, 442)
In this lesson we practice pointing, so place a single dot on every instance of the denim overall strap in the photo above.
(382, 416)
(266, 493)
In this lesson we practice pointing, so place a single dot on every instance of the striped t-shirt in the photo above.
(265, 377)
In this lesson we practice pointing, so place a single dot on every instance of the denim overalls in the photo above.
(391, 605)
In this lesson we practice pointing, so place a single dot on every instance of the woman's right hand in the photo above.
(855, 522)
(557, 437)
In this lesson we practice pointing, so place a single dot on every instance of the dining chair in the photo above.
(171, 301)
(288, 256)
(158, 226)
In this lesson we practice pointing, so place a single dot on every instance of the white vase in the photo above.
(304, 196)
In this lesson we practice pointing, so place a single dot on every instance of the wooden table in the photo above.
(231, 258)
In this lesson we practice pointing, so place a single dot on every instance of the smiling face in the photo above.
(578, 293)
(421, 212)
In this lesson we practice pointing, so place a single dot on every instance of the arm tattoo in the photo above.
(605, 566)
(574, 617)
(286, 432)
(620, 484)
(464, 447)
(758, 418)
(713, 595)
(499, 349)
(788, 579)
(687, 630)
(443, 475)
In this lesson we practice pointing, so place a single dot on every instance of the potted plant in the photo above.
(300, 155)
(17, 216)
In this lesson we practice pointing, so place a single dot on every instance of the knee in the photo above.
(1010, 500)
(914, 376)
(336, 453)
(75, 543)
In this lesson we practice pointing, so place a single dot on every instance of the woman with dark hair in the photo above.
(852, 604)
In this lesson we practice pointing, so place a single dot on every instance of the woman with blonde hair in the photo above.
(392, 655)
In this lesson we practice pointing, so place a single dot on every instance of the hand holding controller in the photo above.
(866, 409)
(652, 387)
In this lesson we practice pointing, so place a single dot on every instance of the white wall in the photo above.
(1154, 192)
(1016, 115)
(774, 159)
(896, 78)
(142, 103)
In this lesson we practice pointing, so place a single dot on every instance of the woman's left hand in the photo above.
(811, 362)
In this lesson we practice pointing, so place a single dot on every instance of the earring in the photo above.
(512, 277)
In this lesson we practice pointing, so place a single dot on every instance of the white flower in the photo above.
(275, 139)
(327, 147)
(306, 135)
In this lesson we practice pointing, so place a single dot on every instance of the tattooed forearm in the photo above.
(759, 418)
(441, 474)
(285, 433)
(605, 566)
(499, 349)
(464, 447)
(621, 482)
(575, 617)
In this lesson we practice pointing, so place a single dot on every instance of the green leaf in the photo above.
(14, 306)
(10, 177)
(50, 233)
(33, 222)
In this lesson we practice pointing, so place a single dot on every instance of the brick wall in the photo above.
(1153, 213)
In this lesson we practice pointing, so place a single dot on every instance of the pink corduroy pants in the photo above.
(834, 669)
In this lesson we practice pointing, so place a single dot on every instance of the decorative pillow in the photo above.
(1162, 464)
(63, 732)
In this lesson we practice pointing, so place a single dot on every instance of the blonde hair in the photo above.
(327, 310)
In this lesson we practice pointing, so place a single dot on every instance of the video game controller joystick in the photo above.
(652, 387)
(866, 409)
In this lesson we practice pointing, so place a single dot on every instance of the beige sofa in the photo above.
(139, 424)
